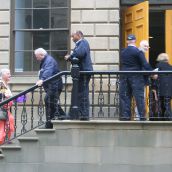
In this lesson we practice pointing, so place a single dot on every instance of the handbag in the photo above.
(3, 114)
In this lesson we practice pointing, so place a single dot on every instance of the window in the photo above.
(39, 23)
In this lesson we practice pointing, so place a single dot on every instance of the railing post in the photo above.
(74, 110)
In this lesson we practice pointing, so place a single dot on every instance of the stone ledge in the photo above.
(11, 147)
(44, 130)
(28, 139)
(113, 124)
(2, 156)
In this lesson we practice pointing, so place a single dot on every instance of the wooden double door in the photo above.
(135, 20)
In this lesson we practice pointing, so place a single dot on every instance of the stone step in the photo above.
(10, 147)
(28, 139)
(1, 154)
(46, 137)
(44, 131)
(94, 146)
(7, 148)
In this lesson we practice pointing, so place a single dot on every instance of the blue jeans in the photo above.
(131, 86)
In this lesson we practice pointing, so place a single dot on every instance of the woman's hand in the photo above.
(7, 94)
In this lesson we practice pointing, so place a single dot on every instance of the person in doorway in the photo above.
(82, 52)
(144, 47)
(132, 59)
(164, 86)
(53, 89)
(6, 126)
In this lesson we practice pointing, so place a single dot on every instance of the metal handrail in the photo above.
(101, 99)
(34, 87)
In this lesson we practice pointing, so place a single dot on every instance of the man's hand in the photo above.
(154, 76)
(39, 83)
(67, 56)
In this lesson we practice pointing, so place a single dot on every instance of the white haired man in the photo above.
(53, 88)
(144, 47)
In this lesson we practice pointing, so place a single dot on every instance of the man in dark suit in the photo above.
(53, 88)
(132, 59)
(82, 52)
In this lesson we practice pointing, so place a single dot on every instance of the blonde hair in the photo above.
(163, 57)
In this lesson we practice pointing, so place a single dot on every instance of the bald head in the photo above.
(144, 46)
(77, 35)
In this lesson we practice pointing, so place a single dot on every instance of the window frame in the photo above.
(50, 30)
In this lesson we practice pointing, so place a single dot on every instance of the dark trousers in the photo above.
(83, 95)
(82, 99)
(131, 86)
(154, 106)
(165, 102)
(52, 106)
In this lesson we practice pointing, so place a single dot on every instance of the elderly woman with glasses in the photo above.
(6, 126)
(165, 86)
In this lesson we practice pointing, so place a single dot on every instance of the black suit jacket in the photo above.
(82, 52)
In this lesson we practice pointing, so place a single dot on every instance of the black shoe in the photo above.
(124, 119)
(48, 125)
(62, 117)
(45, 127)
(84, 118)
(42, 127)
(143, 119)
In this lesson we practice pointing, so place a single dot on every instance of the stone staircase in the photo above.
(92, 146)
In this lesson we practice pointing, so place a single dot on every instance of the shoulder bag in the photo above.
(3, 114)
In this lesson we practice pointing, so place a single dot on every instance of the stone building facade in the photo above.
(99, 21)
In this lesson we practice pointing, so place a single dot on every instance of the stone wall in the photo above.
(99, 21)
(4, 33)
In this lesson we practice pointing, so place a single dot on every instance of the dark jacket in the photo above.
(165, 80)
(82, 52)
(48, 68)
(132, 59)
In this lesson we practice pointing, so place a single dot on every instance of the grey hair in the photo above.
(163, 57)
(40, 51)
(143, 43)
(3, 71)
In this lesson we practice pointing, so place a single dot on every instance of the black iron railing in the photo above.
(28, 107)
(103, 95)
